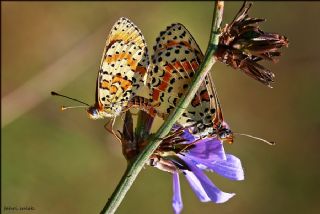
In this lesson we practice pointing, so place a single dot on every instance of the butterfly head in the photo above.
(226, 135)
(97, 112)
(224, 132)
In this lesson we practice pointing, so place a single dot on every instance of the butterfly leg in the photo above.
(109, 127)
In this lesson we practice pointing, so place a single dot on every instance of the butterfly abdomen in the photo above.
(142, 104)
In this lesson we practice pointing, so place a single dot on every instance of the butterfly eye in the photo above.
(93, 112)
(223, 135)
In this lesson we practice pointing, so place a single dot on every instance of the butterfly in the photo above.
(122, 72)
(176, 58)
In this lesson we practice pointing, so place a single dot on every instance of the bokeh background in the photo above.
(62, 162)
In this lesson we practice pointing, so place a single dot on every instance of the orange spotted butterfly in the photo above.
(176, 58)
(122, 72)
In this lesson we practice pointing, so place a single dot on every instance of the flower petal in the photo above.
(196, 186)
(231, 168)
(207, 150)
(188, 136)
(203, 187)
(176, 199)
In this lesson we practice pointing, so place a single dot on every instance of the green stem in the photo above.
(135, 167)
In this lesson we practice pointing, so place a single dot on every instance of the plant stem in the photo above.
(135, 167)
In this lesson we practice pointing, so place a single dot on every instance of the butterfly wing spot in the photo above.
(104, 85)
(122, 82)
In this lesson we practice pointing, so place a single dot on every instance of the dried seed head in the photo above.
(243, 44)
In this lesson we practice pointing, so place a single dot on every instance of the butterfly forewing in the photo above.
(123, 68)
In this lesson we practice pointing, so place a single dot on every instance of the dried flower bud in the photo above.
(243, 44)
(128, 140)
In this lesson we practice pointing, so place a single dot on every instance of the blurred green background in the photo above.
(62, 162)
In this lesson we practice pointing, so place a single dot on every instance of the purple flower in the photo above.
(182, 152)
(194, 157)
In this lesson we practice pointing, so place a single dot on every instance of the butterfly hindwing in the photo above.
(123, 68)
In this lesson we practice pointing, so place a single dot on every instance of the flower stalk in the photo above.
(137, 164)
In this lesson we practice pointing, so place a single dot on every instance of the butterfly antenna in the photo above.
(63, 107)
(69, 107)
(257, 138)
